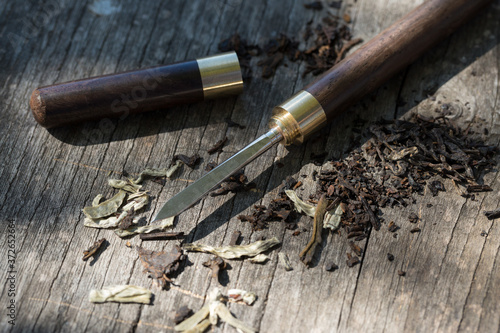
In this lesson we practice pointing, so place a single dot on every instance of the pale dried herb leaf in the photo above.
(300, 205)
(105, 208)
(165, 172)
(159, 265)
(97, 200)
(125, 185)
(247, 297)
(236, 251)
(200, 328)
(137, 201)
(192, 321)
(225, 315)
(259, 259)
(332, 218)
(106, 223)
(146, 229)
(121, 294)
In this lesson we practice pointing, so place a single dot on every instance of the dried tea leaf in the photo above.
(165, 172)
(121, 294)
(200, 328)
(160, 265)
(105, 208)
(333, 217)
(136, 201)
(146, 229)
(259, 259)
(217, 148)
(97, 200)
(306, 255)
(236, 251)
(192, 321)
(93, 249)
(218, 308)
(128, 220)
(106, 223)
(215, 264)
(300, 205)
(125, 185)
(284, 261)
(244, 296)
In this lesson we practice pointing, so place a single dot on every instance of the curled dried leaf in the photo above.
(121, 294)
(125, 185)
(236, 251)
(300, 205)
(146, 229)
(105, 208)
(165, 172)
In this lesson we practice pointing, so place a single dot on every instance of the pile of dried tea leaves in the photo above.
(327, 42)
(400, 158)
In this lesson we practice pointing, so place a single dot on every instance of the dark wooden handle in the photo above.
(117, 95)
(389, 52)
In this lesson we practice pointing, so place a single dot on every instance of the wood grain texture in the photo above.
(453, 272)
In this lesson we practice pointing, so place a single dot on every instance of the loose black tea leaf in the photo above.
(492, 214)
(217, 148)
(93, 249)
(215, 264)
(128, 220)
(435, 187)
(413, 218)
(190, 161)
(162, 235)
(331, 266)
(352, 260)
(161, 265)
(414, 230)
(317, 5)
(401, 273)
(390, 257)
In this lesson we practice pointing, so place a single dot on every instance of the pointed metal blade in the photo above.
(191, 194)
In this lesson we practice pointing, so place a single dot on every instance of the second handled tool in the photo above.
(121, 94)
(297, 118)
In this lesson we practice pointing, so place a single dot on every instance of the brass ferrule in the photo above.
(220, 75)
(298, 117)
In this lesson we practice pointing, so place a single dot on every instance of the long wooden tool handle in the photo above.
(118, 95)
(390, 52)
(370, 66)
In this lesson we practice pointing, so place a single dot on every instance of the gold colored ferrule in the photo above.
(298, 117)
(220, 75)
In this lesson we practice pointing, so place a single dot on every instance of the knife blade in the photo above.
(328, 97)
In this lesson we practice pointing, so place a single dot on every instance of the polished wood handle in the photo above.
(390, 52)
(118, 95)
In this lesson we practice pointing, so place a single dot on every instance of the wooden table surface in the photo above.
(47, 177)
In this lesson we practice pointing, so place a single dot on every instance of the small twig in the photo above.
(161, 235)
(308, 252)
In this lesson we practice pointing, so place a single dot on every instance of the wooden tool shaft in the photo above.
(390, 52)
(118, 95)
